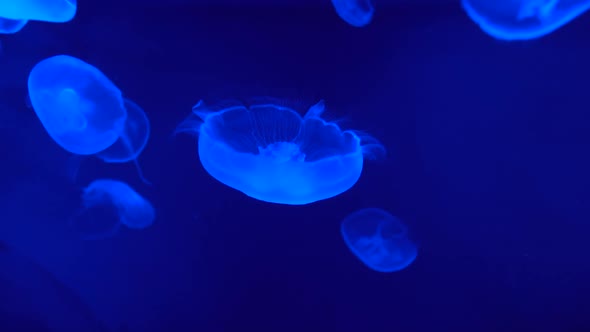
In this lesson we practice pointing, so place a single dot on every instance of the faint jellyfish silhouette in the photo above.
(56, 11)
(379, 240)
(85, 113)
(270, 153)
(523, 19)
(106, 206)
(357, 13)
(8, 26)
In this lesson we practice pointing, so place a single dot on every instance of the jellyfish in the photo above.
(379, 240)
(106, 206)
(8, 26)
(85, 113)
(55, 11)
(270, 153)
(357, 13)
(523, 19)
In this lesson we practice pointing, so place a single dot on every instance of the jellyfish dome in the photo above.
(271, 153)
(81, 109)
(357, 13)
(106, 205)
(523, 19)
(379, 240)
(55, 11)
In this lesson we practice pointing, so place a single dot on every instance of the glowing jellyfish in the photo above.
(523, 19)
(81, 109)
(270, 153)
(379, 240)
(8, 26)
(357, 13)
(56, 11)
(106, 205)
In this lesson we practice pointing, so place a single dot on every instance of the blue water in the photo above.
(487, 165)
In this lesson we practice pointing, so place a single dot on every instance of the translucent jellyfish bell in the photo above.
(132, 139)
(106, 205)
(56, 11)
(81, 109)
(357, 13)
(8, 26)
(379, 240)
(270, 153)
(523, 19)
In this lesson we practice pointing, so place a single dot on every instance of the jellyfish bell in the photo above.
(357, 13)
(55, 11)
(273, 154)
(523, 19)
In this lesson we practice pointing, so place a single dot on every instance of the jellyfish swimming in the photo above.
(523, 19)
(106, 206)
(55, 11)
(270, 153)
(8, 26)
(379, 240)
(357, 13)
(85, 113)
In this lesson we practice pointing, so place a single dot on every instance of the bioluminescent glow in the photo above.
(523, 19)
(379, 240)
(56, 11)
(357, 13)
(109, 204)
(8, 26)
(270, 153)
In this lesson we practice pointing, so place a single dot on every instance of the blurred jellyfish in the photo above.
(357, 13)
(8, 26)
(85, 113)
(56, 11)
(270, 153)
(379, 240)
(34, 300)
(106, 206)
(523, 19)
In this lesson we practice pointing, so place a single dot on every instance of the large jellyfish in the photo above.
(379, 240)
(523, 19)
(106, 206)
(56, 11)
(85, 113)
(270, 153)
(357, 13)
(8, 26)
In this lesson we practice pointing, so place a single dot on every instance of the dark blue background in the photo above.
(488, 165)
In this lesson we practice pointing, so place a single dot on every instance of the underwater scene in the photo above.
(294, 165)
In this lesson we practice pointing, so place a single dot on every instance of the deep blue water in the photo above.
(488, 165)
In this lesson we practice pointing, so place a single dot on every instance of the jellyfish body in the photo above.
(8, 26)
(357, 13)
(379, 240)
(56, 11)
(80, 108)
(270, 153)
(109, 204)
(523, 19)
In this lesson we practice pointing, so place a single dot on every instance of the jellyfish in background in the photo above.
(523, 19)
(85, 113)
(270, 153)
(106, 205)
(55, 11)
(379, 240)
(357, 13)
(8, 26)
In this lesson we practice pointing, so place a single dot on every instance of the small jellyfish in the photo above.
(270, 153)
(55, 11)
(106, 206)
(8, 26)
(81, 109)
(523, 19)
(357, 13)
(379, 240)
